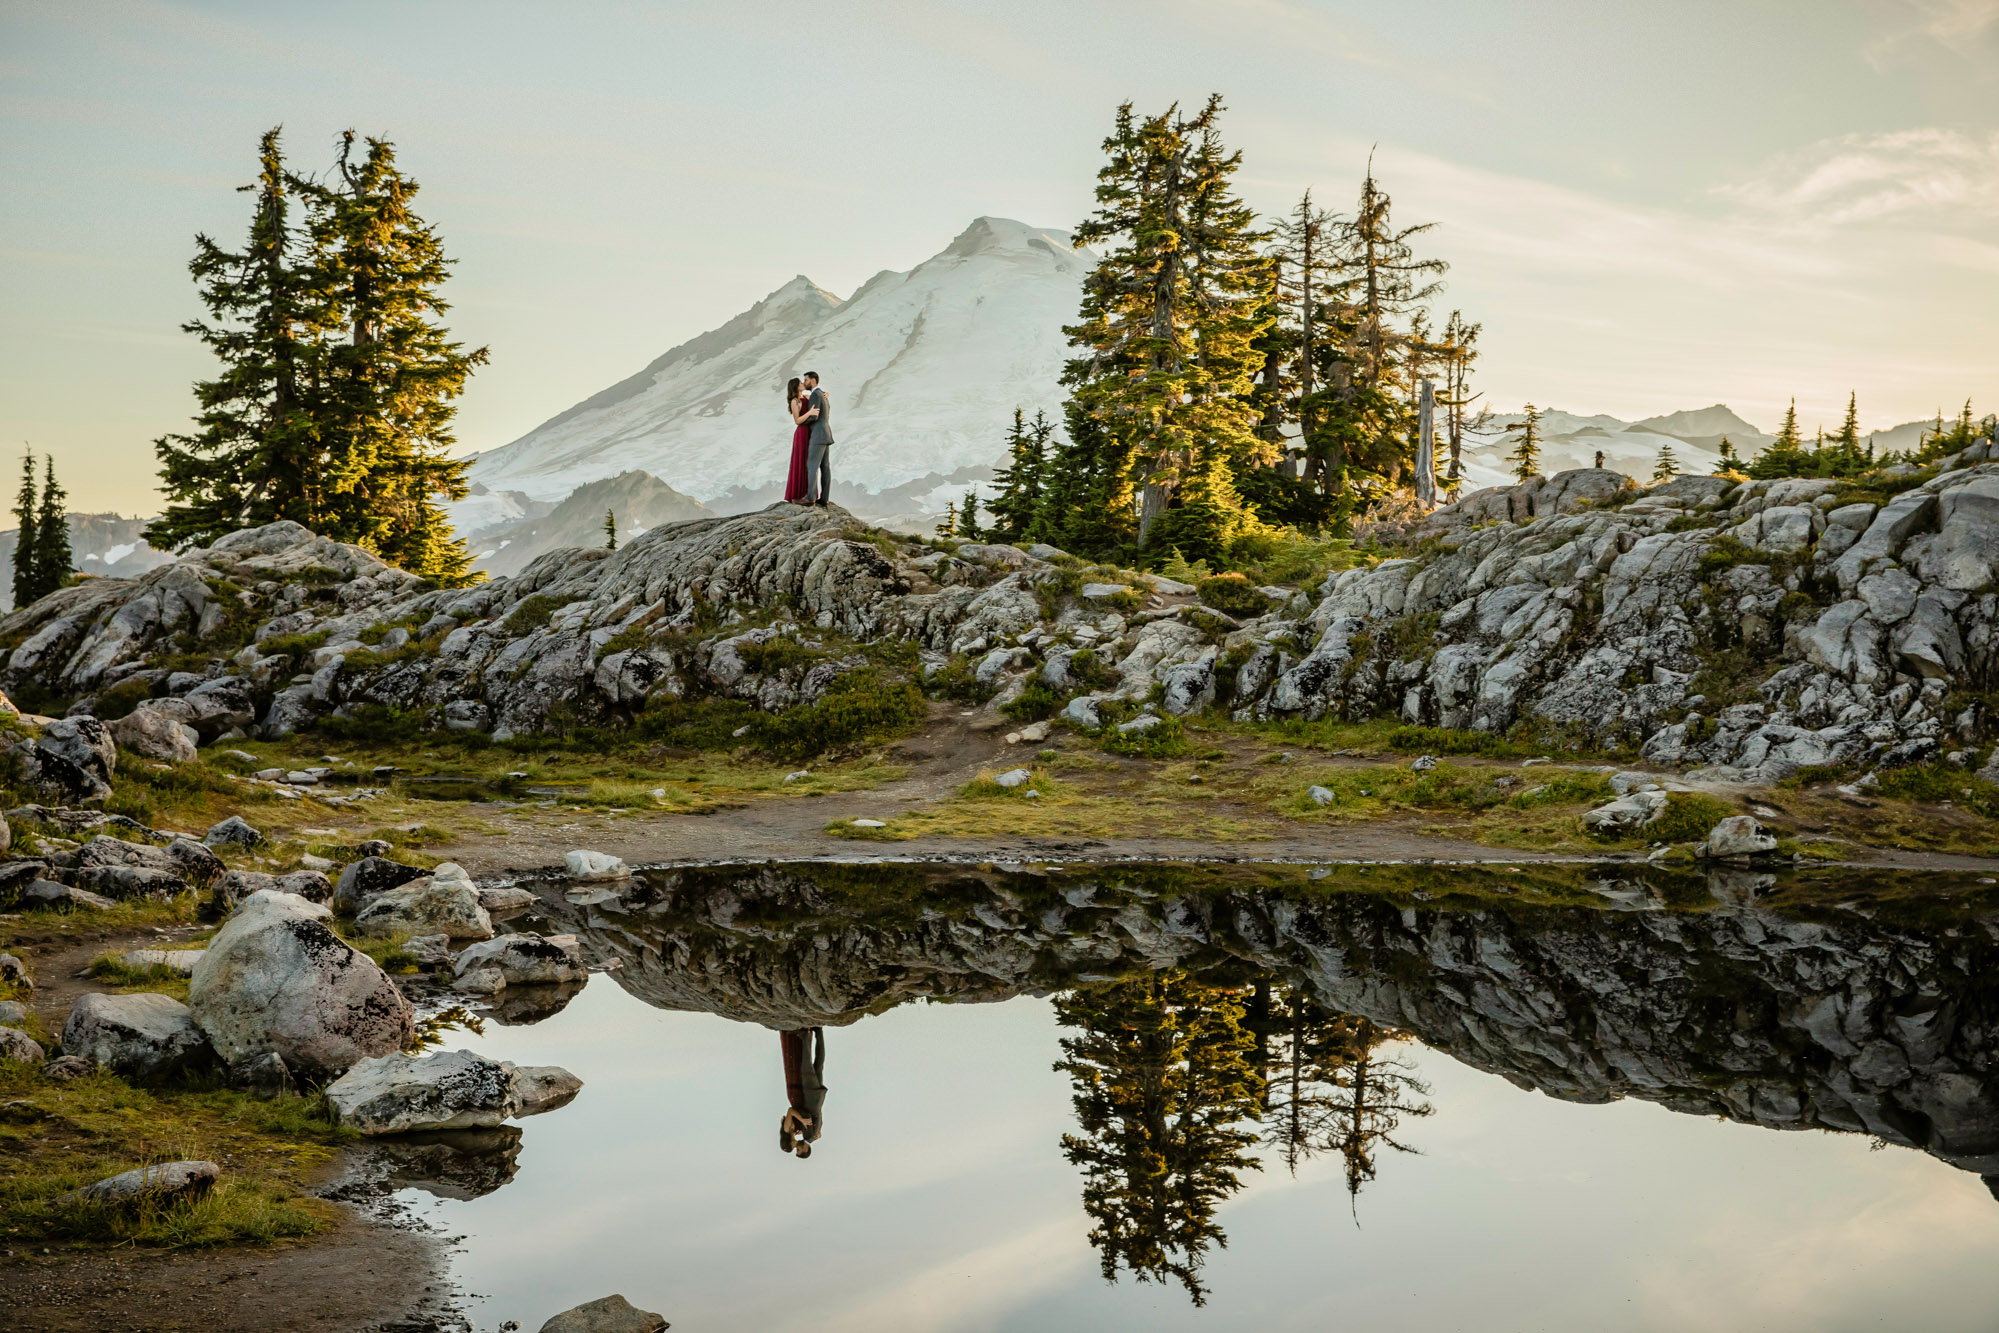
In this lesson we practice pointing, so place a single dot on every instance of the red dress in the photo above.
(796, 486)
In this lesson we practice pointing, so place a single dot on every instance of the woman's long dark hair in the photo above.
(791, 391)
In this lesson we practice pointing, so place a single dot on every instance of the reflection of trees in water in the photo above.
(1327, 1087)
(1163, 1083)
(1171, 1075)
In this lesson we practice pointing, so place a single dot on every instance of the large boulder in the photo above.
(276, 978)
(429, 906)
(183, 857)
(72, 760)
(396, 1094)
(1737, 838)
(1627, 814)
(152, 734)
(515, 960)
(234, 831)
(154, 1184)
(369, 878)
(138, 1036)
(606, 1314)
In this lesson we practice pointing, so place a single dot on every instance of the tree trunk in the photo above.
(1426, 446)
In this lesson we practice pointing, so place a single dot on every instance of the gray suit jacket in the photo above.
(822, 425)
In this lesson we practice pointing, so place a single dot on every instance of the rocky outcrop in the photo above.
(1833, 1020)
(155, 1184)
(518, 960)
(606, 1314)
(276, 979)
(1750, 629)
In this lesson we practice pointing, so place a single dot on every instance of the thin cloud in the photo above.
(1924, 177)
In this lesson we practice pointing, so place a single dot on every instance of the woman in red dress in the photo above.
(796, 487)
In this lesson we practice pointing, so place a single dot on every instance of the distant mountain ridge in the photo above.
(637, 500)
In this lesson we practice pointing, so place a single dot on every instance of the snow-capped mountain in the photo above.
(99, 544)
(924, 369)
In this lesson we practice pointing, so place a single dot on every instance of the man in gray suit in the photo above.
(819, 445)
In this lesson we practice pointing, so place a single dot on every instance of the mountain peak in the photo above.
(990, 235)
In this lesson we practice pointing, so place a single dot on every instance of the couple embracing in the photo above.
(810, 481)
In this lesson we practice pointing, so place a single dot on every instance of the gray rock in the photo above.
(1320, 795)
(165, 1181)
(183, 857)
(276, 978)
(397, 1093)
(12, 1013)
(138, 1036)
(1101, 591)
(505, 901)
(66, 1067)
(1141, 724)
(48, 893)
(428, 906)
(1014, 777)
(73, 759)
(545, 1088)
(517, 960)
(1737, 838)
(18, 1045)
(152, 734)
(235, 885)
(431, 952)
(1082, 710)
(1626, 814)
(588, 866)
(234, 831)
(1423, 764)
(14, 972)
(606, 1314)
(367, 879)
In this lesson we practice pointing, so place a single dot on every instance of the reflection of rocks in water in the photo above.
(451, 1163)
(1743, 997)
(520, 1006)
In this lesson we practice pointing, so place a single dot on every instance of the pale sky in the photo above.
(1649, 207)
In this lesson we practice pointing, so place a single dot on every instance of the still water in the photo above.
(1407, 1099)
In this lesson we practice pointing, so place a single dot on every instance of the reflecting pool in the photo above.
(1157, 1097)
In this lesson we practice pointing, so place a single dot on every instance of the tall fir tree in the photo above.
(255, 454)
(968, 517)
(26, 576)
(1017, 486)
(1167, 336)
(1785, 456)
(1729, 461)
(610, 530)
(1164, 1081)
(1526, 455)
(949, 527)
(392, 384)
(53, 557)
(334, 403)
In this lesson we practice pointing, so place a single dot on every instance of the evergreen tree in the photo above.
(1167, 337)
(1018, 486)
(254, 457)
(333, 407)
(1786, 455)
(1667, 466)
(1373, 1094)
(26, 576)
(53, 559)
(1526, 455)
(968, 517)
(392, 384)
(1163, 1081)
(1460, 350)
(610, 530)
(1729, 461)
(949, 527)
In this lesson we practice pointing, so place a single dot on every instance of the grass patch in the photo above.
(1166, 741)
(110, 970)
(57, 1137)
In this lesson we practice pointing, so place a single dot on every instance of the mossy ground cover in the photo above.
(57, 1137)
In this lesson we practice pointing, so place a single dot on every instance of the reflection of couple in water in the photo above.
(804, 1088)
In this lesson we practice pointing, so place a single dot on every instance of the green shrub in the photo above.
(1035, 702)
(696, 724)
(1164, 741)
(1232, 594)
(291, 645)
(775, 654)
(861, 706)
(121, 699)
